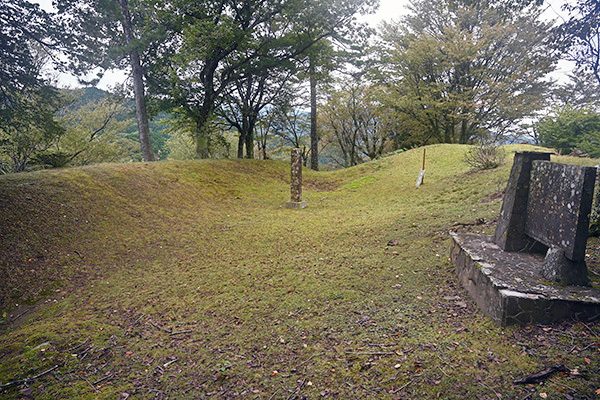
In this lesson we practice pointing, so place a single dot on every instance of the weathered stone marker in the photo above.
(545, 210)
(296, 181)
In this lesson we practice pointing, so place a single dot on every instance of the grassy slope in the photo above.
(266, 302)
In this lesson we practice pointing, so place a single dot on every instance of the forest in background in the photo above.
(246, 79)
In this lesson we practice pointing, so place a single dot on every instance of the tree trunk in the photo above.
(464, 132)
(138, 85)
(241, 141)
(201, 139)
(314, 139)
(250, 141)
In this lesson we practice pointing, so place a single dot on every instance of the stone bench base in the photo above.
(509, 288)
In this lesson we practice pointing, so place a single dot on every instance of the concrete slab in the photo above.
(509, 288)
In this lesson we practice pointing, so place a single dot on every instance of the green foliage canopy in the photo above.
(568, 128)
(463, 71)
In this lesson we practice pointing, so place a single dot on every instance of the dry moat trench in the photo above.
(190, 286)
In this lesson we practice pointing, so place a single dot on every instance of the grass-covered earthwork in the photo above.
(191, 280)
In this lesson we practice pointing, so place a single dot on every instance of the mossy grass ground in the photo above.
(191, 280)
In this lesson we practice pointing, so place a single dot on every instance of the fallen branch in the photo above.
(13, 319)
(90, 383)
(310, 358)
(298, 388)
(372, 353)
(170, 362)
(180, 332)
(78, 346)
(541, 376)
(498, 395)
(160, 328)
(402, 387)
(27, 380)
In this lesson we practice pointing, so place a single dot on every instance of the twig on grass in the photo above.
(89, 383)
(498, 395)
(274, 394)
(104, 378)
(561, 384)
(580, 350)
(180, 332)
(160, 328)
(137, 320)
(590, 329)
(13, 319)
(402, 387)
(542, 375)
(310, 358)
(443, 372)
(26, 380)
(382, 345)
(298, 388)
(528, 396)
(372, 353)
(444, 361)
(170, 362)
(78, 346)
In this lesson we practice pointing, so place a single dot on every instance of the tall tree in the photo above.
(211, 47)
(264, 82)
(330, 25)
(26, 32)
(215, 45)
(466, 71)
(580, 35)
(105, 31)
(28, 37)
(360, 126)
(94, 133)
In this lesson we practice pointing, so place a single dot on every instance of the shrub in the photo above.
(485, 156)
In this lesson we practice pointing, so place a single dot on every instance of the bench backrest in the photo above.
(559, 205)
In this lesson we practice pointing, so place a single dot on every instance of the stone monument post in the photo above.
(296, 181)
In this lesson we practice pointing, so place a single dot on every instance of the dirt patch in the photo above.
(320, 186)
(497, 196)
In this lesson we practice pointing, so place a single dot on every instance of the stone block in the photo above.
(558, 268)
(559, 206)
(508, 286)
(510, 230)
